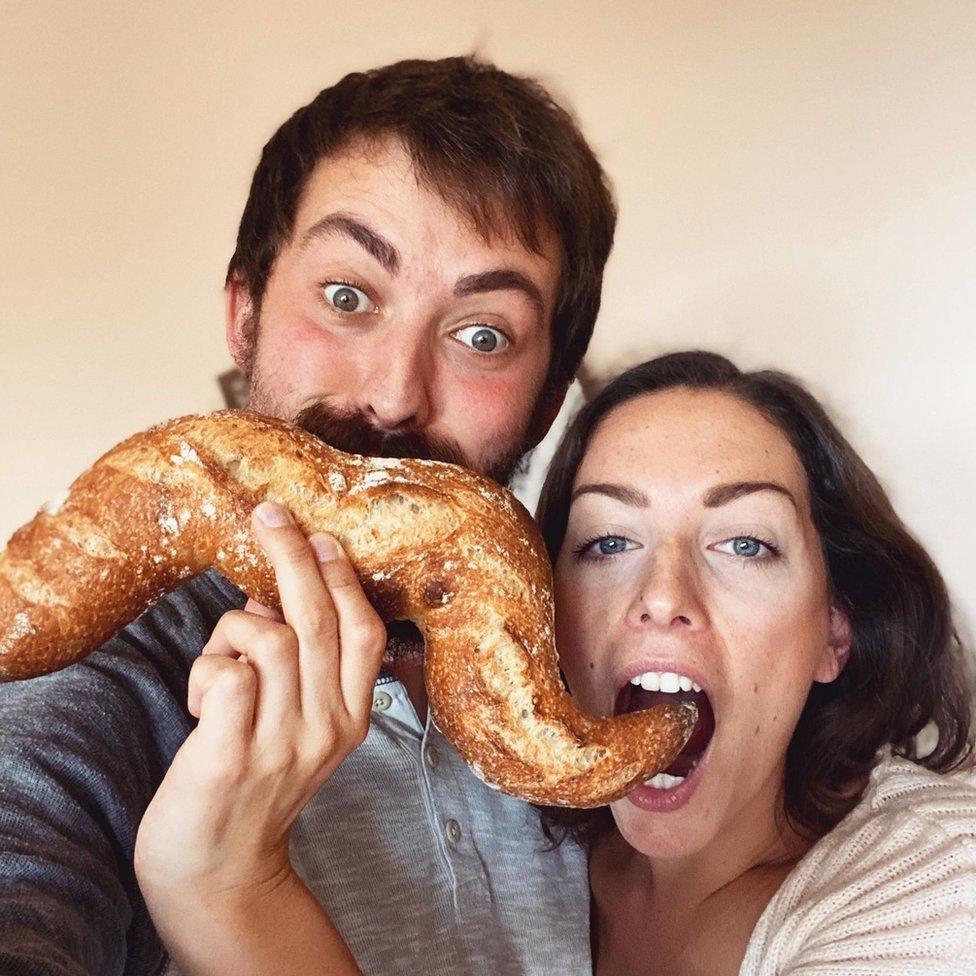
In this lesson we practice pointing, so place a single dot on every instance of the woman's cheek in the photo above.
(581, 641)
(571, 637)
(770, 678)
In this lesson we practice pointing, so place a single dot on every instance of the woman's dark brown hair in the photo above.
(495, 146)
(907, 667)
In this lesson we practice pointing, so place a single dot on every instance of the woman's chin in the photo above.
(656, 839)
(667, 816)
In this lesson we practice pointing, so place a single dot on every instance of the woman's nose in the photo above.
(395, 392)
(669, 595)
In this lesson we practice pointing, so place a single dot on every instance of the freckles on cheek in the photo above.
(288, 345)
(306, 359)
(580, 657)
(307, 341)
(499, 404)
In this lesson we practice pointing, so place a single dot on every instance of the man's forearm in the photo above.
(282, 930)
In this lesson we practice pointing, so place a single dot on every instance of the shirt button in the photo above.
(430, 754)
(382, 701)
(453, 831)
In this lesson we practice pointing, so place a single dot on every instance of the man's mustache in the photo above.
(353, 433)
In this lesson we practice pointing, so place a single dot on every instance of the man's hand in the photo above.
(281, 699)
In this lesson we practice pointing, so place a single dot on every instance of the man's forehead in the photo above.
(357, 164)
(377, 181)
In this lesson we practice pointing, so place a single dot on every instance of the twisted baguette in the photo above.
(431, 542)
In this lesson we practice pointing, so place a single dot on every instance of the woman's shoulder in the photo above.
(905, 810)
(894, 881)
(903, 792)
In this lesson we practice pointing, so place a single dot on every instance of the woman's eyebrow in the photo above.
(622, 493)
(723, 494)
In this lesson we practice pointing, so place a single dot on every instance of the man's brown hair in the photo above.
(494, 146)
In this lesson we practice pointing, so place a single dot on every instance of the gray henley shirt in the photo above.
(423, 868)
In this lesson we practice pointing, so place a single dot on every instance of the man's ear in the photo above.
(239, 322)
(546, 413)
(839, 639)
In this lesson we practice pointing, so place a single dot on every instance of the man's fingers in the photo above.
(362, 636)
(271, 649)
(222, 695)
(260, 610)
(340, 636)
(239, 631)
(304, 601)
(220, 641)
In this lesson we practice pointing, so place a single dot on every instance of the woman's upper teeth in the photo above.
(667, 681)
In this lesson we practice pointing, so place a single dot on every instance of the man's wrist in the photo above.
(226, 887)
(276, 925)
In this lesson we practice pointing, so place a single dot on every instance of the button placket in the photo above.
(452, 831)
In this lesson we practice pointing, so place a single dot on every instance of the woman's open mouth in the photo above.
(667, 688)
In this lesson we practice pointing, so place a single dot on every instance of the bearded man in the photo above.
(417, 273)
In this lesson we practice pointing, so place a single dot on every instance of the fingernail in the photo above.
(273, 514)
(326, 548)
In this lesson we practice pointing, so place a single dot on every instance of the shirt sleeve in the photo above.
(894, 891)
(82, 751)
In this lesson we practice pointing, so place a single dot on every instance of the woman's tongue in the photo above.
(635, 699)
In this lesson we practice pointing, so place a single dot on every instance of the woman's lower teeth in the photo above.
(664, 781)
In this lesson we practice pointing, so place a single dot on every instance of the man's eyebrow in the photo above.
(501, 279)
(353, 227)
(622, 493)
(723, 494)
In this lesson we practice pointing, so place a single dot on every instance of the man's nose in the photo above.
(395, 392)
(670, 594)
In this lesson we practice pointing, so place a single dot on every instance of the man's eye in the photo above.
(747, 546)
(482, 338)
(346, 298)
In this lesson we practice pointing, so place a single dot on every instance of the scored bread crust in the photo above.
(431, 542)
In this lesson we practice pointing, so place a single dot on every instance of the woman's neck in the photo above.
(698, 911)
(693, 879)
(756, 836)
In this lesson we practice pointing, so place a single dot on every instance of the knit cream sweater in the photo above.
(891, 889)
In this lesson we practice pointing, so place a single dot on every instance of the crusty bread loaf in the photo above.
(432, 543)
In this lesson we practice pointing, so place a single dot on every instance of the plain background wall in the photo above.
(796, 182)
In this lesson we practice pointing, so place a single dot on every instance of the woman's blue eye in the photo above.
(604, 545)
(346, 298)
(746, 546)
(482, 338)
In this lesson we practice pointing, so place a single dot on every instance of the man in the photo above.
(417, 272)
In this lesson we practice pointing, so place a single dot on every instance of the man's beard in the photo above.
(353, 433)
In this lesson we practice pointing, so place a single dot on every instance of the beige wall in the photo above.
(796, 181)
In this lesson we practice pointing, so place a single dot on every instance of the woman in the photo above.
(715, 525)
(709, 530)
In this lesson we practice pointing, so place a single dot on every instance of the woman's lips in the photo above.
(651, 799)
